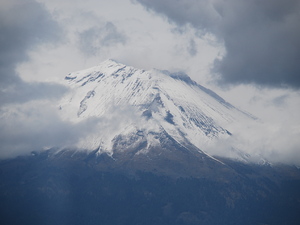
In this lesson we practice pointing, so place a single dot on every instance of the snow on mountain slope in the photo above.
(137, 106)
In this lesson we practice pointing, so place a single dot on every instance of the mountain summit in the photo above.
(139, 111)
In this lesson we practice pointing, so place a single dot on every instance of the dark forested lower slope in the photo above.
(67, 188)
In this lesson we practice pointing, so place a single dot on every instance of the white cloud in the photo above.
(146, 41)
(36, 125)
(275, 135)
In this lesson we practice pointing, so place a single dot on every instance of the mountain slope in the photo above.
(138, 107)
(76, 189)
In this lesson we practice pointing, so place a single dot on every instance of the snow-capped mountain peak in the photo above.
(137, 108)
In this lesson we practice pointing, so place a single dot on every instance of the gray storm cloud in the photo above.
(26, 124)
(24, 25)
(262, 38)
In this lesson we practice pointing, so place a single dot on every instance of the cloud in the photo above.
(280, 100)
(259, 142)
(35, 125)
(23, 92)
(262, 39)
(192, 48)
(92, 40)
(24, 24)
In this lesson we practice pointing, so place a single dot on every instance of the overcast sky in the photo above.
(246, 51)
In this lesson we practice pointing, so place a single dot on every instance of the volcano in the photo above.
(139, 111)
(148, 158)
